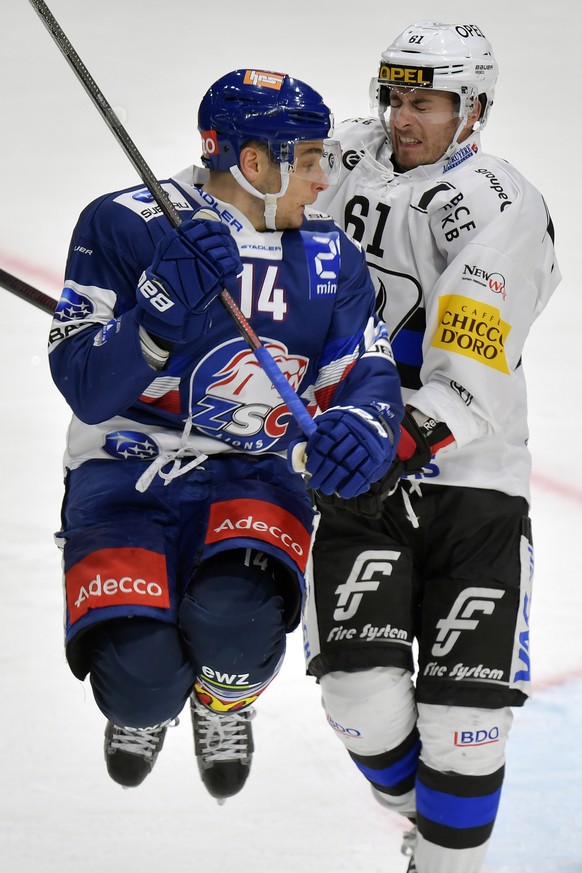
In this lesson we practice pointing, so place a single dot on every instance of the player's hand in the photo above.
(349, 450)
(191, 266)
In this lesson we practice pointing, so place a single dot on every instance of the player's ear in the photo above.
(251, 161)
(477, 110)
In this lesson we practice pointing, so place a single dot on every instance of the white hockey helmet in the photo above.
(444, 57)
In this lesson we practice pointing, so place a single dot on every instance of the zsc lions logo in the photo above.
(233, 399)
(73, 306)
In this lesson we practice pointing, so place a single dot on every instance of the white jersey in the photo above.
(462, 257)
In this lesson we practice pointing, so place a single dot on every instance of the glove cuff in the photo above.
(153, 349)
(421, 436)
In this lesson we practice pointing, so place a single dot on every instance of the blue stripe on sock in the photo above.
(395, 773)
(454, 811)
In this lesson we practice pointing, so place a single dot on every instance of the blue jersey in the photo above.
(307, 294)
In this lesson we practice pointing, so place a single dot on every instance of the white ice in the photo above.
(304, 807)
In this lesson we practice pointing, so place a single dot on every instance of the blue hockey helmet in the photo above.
(259, 105)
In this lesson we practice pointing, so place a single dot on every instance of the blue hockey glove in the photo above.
(191, 266)
(350, 449)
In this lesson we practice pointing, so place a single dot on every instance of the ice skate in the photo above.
(130, 753)
(224, 748)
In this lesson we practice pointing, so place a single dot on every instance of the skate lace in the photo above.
(223, 736)
(139, 741)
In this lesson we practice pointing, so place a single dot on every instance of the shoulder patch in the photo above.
(142, 202)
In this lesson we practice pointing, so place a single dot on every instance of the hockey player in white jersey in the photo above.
(186, 531)
(461, 249)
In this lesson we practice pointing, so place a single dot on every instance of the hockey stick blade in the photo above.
(27, 292)
(287, 393)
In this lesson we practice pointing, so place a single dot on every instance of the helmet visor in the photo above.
(316, 161)
(426, 102)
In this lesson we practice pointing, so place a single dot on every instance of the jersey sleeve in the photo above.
(94, 336)
(496, 237)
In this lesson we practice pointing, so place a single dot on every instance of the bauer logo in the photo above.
(401, 75)
(117, 577)
(472, 329)
(264, 79)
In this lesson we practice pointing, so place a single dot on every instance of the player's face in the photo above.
(306, 180)
(422, 125)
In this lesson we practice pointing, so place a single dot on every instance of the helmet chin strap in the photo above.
(454, 144)
(269, 199)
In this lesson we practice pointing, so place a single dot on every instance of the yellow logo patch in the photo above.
(472, 329)
(418, 77)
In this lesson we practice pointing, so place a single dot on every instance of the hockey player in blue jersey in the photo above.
(185, 528)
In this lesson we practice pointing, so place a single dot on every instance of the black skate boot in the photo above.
(223, 743)
(130, 753)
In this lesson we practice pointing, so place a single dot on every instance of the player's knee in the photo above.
(233, 620)
(462, 739)
(374, 714)
(371, 710)
(139, 672)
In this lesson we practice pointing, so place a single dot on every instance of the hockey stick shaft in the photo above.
(27, 292)
(290, 397)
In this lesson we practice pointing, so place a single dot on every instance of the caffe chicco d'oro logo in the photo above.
(473, 329)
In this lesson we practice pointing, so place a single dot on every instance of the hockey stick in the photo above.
(290, 397)
(27, 292)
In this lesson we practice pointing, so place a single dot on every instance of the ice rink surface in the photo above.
(304, 807)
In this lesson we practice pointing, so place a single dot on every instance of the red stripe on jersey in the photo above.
(169, 402)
